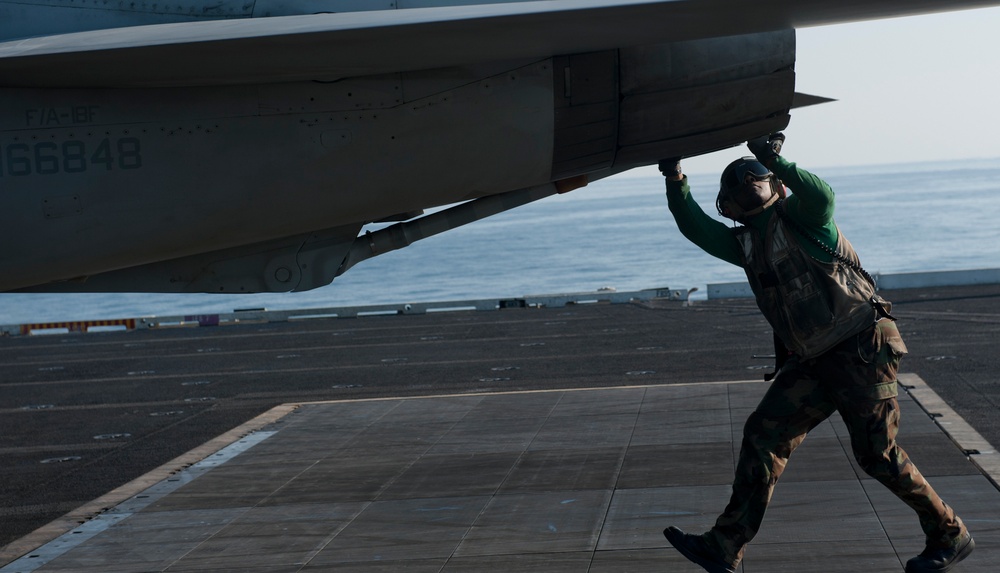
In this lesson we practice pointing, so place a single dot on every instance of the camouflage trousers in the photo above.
(857, 378)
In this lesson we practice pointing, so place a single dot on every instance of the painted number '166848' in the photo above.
(51, 158)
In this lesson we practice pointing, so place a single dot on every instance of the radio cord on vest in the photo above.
(879, 306)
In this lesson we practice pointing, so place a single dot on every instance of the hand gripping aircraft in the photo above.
(242, 146)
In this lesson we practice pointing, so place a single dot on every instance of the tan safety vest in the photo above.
(812, 305)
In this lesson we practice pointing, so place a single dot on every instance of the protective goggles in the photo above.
(745, 173)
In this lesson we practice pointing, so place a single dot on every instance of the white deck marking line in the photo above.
(979, 451)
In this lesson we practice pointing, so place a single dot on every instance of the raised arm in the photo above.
(811, 204)
(714, 237)
(812, 200)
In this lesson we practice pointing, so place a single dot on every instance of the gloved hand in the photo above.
(766, 147)
(671, 167)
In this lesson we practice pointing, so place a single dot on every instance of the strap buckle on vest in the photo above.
(880, 310)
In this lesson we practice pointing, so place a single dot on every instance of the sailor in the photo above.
(841, 350)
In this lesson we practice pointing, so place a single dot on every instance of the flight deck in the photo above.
(526, 438)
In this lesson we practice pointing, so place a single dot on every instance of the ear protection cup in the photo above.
(728, 208)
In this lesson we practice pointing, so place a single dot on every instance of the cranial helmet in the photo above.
(738, 175)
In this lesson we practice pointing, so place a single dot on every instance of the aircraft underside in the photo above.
(255, 188)
(244, 146)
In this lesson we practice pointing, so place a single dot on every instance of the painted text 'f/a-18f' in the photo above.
(242, 145)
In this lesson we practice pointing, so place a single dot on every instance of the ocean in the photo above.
(613, 233)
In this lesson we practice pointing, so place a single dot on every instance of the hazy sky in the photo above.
(923, 88)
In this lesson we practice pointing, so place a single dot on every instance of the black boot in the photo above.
(697, 551)
(937, 560)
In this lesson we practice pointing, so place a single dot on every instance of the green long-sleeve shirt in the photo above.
(810, 205)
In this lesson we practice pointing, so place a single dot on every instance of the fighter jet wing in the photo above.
(331, 46)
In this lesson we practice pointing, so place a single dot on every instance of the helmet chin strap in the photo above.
(737, 213)
(774, 199)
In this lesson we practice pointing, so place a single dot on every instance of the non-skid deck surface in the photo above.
(555, 481)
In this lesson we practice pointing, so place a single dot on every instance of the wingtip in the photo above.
(805, 100)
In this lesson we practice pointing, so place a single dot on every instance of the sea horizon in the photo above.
(615, 233)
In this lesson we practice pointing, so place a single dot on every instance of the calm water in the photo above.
(614, 233)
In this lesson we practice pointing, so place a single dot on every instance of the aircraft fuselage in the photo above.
(265, 186)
